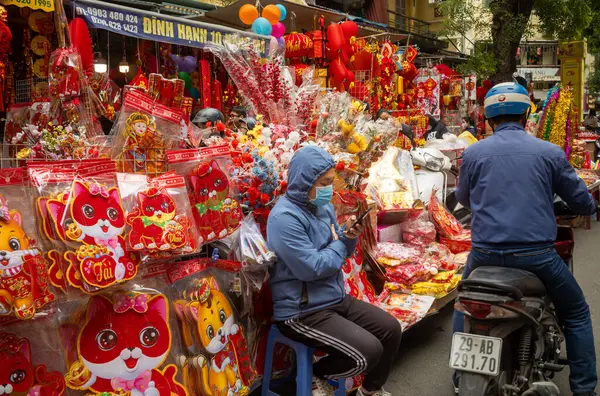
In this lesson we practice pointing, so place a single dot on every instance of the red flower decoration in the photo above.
(340, 166)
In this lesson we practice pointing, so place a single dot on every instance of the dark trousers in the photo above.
(358, 337)
(571, 307)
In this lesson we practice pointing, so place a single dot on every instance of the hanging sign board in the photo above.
(44, 5)
(162, 28)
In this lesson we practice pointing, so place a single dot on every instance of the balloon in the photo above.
(248, 14)
(282, 10)
(278, 30)
(281, 41)
(335, 36)
(271, 13)
(273, 46)
(186, 78)
(176, 59)
(194, 93)
(350, 29)
(262, 26)
(189, 64)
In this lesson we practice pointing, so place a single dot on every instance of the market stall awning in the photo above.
(153, 26)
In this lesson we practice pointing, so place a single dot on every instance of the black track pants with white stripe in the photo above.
(358, 338)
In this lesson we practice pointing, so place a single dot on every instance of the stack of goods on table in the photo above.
(419, 269)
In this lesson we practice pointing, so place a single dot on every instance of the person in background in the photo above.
(590, 122)
(466, 125)
(309, 300)
(436, 130)
(509, 181)
(236, 117)
(468, 131)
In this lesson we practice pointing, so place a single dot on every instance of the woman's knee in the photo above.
(371, 350)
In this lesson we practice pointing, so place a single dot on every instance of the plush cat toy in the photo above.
(19, 376)
(122, 347)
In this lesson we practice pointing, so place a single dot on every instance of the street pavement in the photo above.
(422, 365)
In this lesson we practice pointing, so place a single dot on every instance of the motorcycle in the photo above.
(512, 340)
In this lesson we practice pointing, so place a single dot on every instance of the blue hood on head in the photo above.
(307, 165)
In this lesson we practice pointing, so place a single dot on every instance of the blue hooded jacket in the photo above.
(307, 274)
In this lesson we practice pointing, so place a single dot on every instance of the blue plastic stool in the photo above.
(304, 362)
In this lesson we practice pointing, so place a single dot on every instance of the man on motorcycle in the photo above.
(509, 181)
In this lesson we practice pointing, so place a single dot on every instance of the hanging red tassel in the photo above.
(217, 95)
(204, 68)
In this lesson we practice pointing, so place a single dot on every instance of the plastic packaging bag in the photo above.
(24, 284)
(444, 221)
(144, 130)
(419, 231)
(158, 214)
(216, 213)
(392, 180)
(93, 221)
(214, 338)
(31, 359)
(121, 341)
(397, 253)
(251, 250)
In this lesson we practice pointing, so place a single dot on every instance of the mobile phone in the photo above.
(361, 217)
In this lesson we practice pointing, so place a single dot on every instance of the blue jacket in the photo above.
(307, 274)
(509, 181)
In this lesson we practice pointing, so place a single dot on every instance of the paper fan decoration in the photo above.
(80, 37)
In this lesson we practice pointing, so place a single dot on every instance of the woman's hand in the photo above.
(353, 232)
(334, 234)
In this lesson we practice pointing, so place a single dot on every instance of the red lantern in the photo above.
(409, 71)
(334, 83)
(335, 37)
(298, 45)
(350, 76)
(337, 69)
(445, 85)
(350, 29)
(361, 61)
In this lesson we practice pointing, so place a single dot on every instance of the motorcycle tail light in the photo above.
(481, 310)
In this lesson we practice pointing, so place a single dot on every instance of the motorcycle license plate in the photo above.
(476, 354)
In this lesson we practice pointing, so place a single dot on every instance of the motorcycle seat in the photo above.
(513, 281)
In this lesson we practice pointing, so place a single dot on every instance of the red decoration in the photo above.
(318, 48)
(80, 37)
(5, 38)
(217, 95)
(204, 68)
(350, 29)
(409, 71)
(337, 69)
(335, 37)
(298, 45)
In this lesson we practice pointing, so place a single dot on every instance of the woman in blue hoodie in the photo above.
(310, 304)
